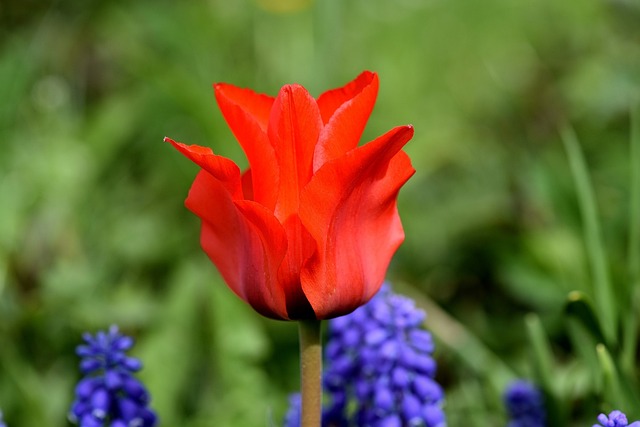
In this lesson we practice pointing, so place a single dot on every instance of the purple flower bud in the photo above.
(400, 377)
(109, 394)
(390, 421)
(411, 408)
(383, 399)
(615, 419)
(100, 400)
(525, 405)
(427, 389)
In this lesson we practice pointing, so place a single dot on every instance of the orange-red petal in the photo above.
(293, 131)
(349, 208)
(247, 115)
(244, 241)
(299, 248)
(331, 100)
(256, 105)
(221, 168)
(345, 112)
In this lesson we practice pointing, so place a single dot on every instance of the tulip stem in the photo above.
(310, 372)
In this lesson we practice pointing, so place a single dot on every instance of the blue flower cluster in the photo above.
(525, 405)
(292, 418)
(380, 371)
(615, 419)
(109, 394)
(2, 424)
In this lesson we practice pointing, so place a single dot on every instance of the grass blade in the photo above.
(631, 324)
(543, 357)
(634, 212)
(602, 288)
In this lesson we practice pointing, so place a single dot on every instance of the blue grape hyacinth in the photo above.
(109, 394)
(2, 424)
(380, 371)
(525, 405)
(615, 419)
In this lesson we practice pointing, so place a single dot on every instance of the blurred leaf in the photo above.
(602, 288)
(545, 370)
(631, 323)
(581, 309)
(542, 355)
(585, 345)
(612, 388)
(634, 195)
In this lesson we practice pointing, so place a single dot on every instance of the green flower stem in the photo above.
(310, 372)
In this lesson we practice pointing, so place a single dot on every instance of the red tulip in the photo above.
(308, 231)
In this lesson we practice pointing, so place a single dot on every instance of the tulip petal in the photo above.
(349, 208)
(247, 115)
(244, 241)
(221, 168)
(294, 126)
(247, 184)
(301, 247)
(256, 105)
(333, 99)
(345, 112)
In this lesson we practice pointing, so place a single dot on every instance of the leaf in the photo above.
(543, 357)
(602, 287)
(579, 307)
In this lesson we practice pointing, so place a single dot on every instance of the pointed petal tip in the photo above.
(407, 131)
(220, 89)
(371, 75)
(410, 128)
(366, 78)
(228, 90)
(176, 144)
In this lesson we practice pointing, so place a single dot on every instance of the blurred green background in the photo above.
(93, 230)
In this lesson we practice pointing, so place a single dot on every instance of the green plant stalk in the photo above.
(611, 381)
(630, 338)
(310, 372)
(634, 214)
(545, 370)
(543, 358)
(631, 324)
(602, 287)
(580, 307)
(619, 390)
(585, 344)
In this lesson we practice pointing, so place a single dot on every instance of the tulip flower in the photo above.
(308, 231)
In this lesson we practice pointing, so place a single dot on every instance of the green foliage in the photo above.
(507, 215)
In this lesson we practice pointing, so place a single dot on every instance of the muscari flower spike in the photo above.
(615, 419)
(109, 394)
(380, 371)
(525, 405)
(2, 424)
